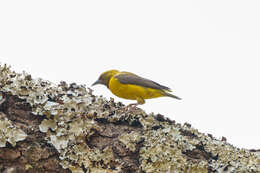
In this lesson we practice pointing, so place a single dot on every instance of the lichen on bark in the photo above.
(65, 128)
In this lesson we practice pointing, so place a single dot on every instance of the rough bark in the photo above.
(64, 128)
(33, 154)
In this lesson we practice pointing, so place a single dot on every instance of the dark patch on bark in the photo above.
(108, 135)
(254, 150)
(199, 153)
(157, 127)
(188, 133)
(162, 118)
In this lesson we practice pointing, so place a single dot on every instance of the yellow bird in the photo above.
(131, 86)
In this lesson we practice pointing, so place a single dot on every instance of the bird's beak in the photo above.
(97, 82)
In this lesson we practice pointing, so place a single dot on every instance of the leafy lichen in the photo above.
(72, 117)
(10, 133)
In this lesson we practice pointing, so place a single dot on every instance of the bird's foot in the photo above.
(129, 108)
(132, 107)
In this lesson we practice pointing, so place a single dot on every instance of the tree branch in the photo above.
(65, 128)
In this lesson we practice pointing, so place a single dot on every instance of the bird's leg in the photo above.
(132, 106)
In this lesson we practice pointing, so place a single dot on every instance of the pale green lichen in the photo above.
(130, 140)
(10, 133)
(70, 118)
(163, 150)
(59, 142)
(47, 124)
(2, 99)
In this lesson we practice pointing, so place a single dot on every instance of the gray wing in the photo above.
(137, 80)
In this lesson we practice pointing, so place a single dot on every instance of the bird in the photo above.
(130, 86)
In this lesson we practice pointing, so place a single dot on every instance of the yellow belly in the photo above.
(132, 92)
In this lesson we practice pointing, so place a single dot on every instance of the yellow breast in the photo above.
(132, 92)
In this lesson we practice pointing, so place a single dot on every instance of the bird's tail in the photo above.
(171, 95)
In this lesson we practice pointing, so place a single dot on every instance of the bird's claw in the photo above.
(132, 107)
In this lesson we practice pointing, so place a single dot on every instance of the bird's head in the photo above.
(105, 77)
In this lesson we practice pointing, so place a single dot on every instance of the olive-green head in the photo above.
(105, 77)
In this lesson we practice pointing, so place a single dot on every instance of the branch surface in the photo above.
(46, 127)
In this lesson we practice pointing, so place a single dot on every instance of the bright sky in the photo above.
(208, 52)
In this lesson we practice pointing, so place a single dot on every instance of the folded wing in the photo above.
(130, 78)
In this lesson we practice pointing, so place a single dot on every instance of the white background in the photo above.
(206, 51)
